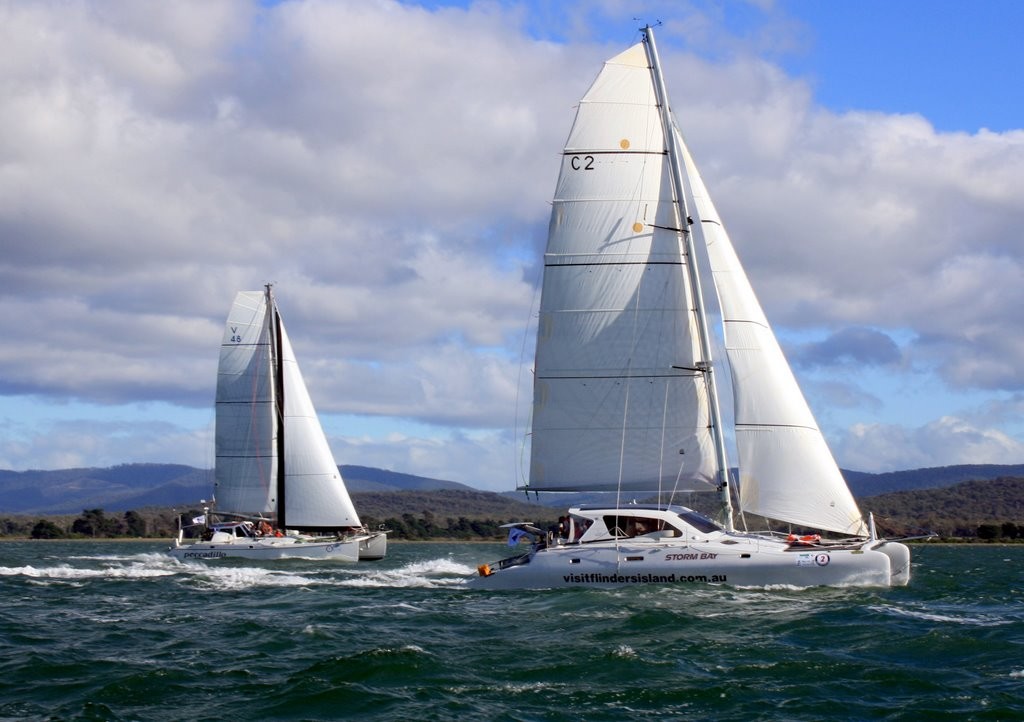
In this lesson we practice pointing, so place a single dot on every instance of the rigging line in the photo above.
(625, 405)
(696, 369)
(661, 455)
(775, 426)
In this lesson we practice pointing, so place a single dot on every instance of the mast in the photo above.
(277, 369)
(706, 366)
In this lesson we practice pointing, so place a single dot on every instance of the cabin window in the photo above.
(699, 522)
(633, 526)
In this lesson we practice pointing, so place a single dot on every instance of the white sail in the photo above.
(786, 469)
(248, 424)
(246, 447)
(315, 494)
(618, 400)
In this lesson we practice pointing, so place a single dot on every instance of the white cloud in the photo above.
(484, 460)
(85, 442)
(395, 186)
(943, 442)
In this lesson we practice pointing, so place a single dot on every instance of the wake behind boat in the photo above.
(274, 472)
(625, 395)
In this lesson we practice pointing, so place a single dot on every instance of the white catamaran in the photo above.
(275, 476)
(624, 389)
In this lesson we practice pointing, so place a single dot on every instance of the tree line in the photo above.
(163, 524)
(150, 524)
(985, 510)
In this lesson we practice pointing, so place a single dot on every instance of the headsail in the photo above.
(316, 497)
(619, 401)
(786, 469)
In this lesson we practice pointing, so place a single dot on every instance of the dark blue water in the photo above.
(118, 631)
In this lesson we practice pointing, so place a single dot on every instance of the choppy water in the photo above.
(118, 631)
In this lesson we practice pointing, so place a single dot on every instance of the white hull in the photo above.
(373, 547)
(346, 550)
(664, 544)
(751, 561)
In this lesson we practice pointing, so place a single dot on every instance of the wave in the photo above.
(430, 573)
(243, 578)
(68, 572)
(944, 616)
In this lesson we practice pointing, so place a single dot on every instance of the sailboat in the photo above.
(625, 393)
(282, 494)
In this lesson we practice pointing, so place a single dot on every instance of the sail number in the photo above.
(582, 162)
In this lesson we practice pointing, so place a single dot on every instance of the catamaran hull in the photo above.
(747, 563)
(373, 547)
(269, 550)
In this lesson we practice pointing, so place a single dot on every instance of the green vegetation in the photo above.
(989, 510)
(93, 524)
(413, 515)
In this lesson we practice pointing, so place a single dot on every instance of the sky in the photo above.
(389, 167)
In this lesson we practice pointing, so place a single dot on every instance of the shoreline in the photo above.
(168, 540)
(447, 540)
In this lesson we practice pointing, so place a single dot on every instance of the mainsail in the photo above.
(261, 395)
(246, 450)
(619, 398)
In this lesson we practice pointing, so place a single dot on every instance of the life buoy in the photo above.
(805, 540)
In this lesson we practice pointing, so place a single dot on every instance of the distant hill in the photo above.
(378, 492)
(116, 488)
(955, 510)
(369, 479)
(138, 486)
(450, 503)
(863, 484)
